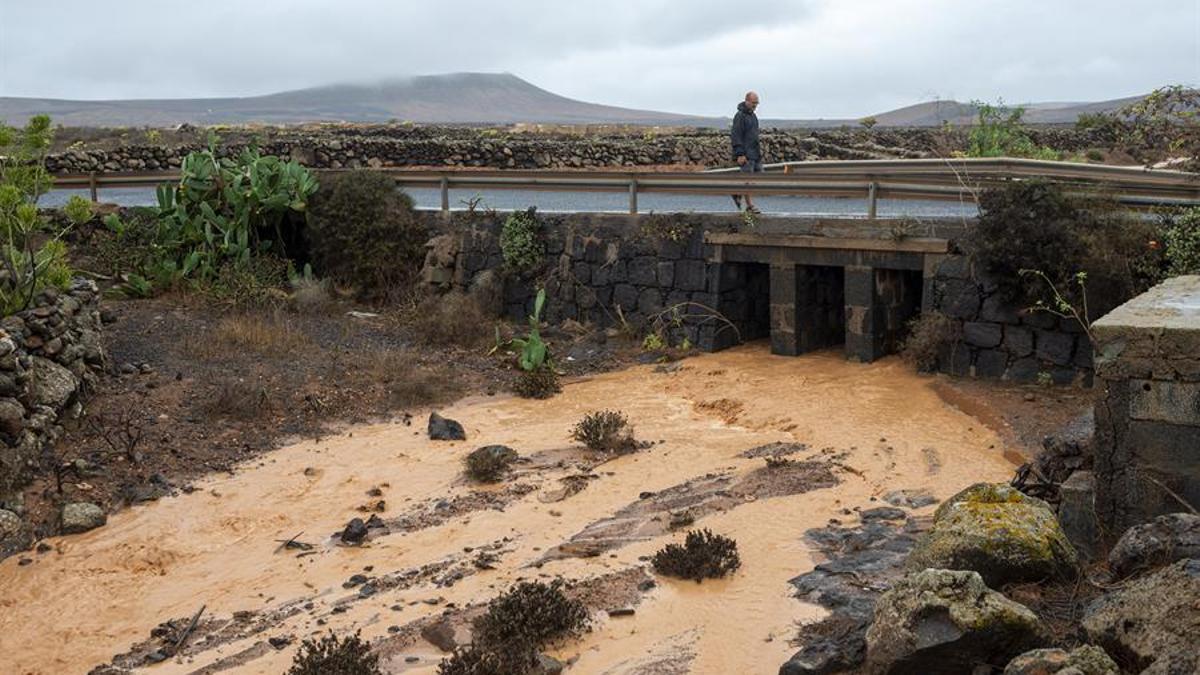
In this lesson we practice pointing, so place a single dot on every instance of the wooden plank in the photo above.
(913, 245)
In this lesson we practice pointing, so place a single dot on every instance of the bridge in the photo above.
(850, 281)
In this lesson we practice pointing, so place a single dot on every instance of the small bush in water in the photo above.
(332, 655)
(488, 464)
(605, 431)
(531, 612)
(473, 660)
(703, 555)
(928, 335)
(540, 383)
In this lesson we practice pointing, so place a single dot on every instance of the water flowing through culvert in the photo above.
(878, 426)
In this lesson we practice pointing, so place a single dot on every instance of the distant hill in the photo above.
(460, 98)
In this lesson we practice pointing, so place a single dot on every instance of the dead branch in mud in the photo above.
(188, 631)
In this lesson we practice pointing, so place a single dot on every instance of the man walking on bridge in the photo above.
(746, 151)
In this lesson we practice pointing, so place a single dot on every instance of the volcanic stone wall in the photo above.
(1000, 340)
(50, 355)
(376, 146)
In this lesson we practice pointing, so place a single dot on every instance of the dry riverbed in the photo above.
(853, 432)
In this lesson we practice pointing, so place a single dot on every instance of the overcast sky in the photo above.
(807, 58)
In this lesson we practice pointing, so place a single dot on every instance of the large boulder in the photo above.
(947, 622)
(53, 385)
(81, 517)
(998, 532)
(1152, 624)
(1159, 542)
(1085, 660)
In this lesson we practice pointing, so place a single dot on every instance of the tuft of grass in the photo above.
(488, 464)
(311, 296)
(266, 335)
(239, 399)
(703, 555)
(454, 319)
(407, 382)
(332, 655)
(605, 431)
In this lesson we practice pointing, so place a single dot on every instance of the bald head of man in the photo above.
(752, 100)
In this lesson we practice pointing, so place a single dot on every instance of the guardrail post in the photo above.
(872, 202)
(633, 195)
(93, 187)
(445, 188)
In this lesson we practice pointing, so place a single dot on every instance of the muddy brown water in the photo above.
(99, 593)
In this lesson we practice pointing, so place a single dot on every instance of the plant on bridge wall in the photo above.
(1036, 225)
(999, 132)
(363, 230)
(1180, 242)
(521, 242)
(33, 254)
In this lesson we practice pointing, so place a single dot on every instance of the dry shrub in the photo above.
(265, 335)
(453, 319)
(928, 336)
(311, 296)
(703, 555)
(332, 655)
(407, 383)
(239, 399)
(488, 464)
(537, 383)
(605, 431)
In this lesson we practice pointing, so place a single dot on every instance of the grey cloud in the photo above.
(807, 57)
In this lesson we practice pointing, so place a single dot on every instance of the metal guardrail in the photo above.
(956, 180)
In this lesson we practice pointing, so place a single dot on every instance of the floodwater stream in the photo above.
(99, 593)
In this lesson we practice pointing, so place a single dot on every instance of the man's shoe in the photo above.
(737, 201)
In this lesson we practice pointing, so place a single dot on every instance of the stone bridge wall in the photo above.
(1000, 340)
(643, 265)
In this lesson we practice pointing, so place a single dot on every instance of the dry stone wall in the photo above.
(376, 146)
(50, 355)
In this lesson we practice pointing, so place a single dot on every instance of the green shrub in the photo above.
(1034, 225)
(363, 231)
(33, 255)
(703, 555)
(1181, 242)
(605, 431)
(332, 655)
(928, 335)
(488, 464)
(521, 242)
(999, 132)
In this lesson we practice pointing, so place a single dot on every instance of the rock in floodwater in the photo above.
(1152, 624)
(947, 622)
(81, 517)
(1000, 533)
(355, 531)
(1159, 542)
(441, 634)
(1085, 660)
(445, 429)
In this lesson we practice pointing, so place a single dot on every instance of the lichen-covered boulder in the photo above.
(81, 517)
(947, 622)
(1152, 624)
(53, 385)
(997, 531)
(1085, 660)
(10, 524)
(1159, 542)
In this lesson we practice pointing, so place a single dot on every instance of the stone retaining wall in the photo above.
(1000, 340)
(50, 355)
(1147, 448)
(352, 146)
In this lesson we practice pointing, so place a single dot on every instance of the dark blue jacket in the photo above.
(744, 134)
